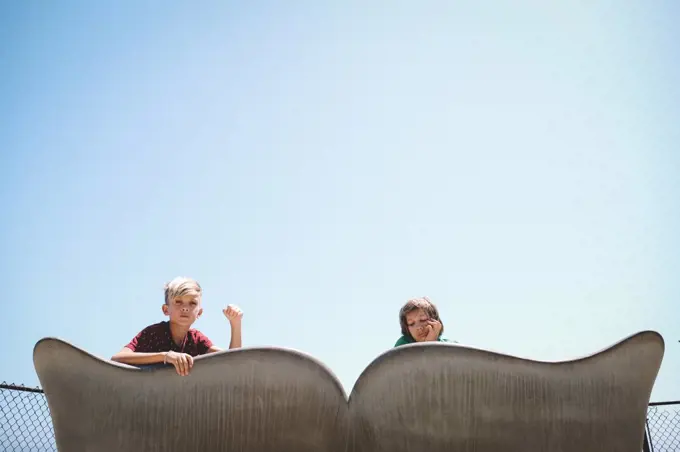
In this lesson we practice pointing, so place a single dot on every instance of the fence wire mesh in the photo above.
(663, 427)
(26, 425)
(25, 422)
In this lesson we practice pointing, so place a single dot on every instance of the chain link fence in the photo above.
(26, 426)
(25, 423)
(663, 427)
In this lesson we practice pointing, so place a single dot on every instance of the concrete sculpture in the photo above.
(432, 397)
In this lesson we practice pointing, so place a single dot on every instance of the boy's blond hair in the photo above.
(181, 286)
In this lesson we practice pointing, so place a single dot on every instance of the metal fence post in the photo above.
(646, 444)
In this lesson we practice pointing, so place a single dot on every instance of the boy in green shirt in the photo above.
(420, 322)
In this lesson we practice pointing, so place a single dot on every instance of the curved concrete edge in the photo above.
(59, 343)
(253, 399)
(397, 352)
(436, 396)
(443, 397)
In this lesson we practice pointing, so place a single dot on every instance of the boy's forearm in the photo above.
(139, 358)
(235, 337)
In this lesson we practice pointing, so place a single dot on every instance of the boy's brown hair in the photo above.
(411, 305)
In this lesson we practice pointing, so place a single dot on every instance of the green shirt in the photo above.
(403, 340)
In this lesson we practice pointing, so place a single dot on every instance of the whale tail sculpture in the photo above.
(431, 397)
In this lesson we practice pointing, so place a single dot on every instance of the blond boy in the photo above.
(174, 341)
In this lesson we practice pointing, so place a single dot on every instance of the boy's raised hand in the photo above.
(182, 362)
(233, 313)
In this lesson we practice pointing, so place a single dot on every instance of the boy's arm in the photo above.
(130, 354)
(234, 315)
(235, 341)
(127, 356)
(182, 362)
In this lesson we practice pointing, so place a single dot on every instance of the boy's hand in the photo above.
(182, 362)
(233, 313)
(434, 328)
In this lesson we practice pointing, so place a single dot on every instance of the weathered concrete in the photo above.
(431, 397)
(242, 400)
(445, 398)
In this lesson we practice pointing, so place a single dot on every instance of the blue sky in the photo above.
(320, 164)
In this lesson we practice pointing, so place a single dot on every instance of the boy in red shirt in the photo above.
(174, 341)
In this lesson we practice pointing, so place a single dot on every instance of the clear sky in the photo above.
(318, 163)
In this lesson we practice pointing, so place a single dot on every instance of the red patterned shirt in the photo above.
(157, 338)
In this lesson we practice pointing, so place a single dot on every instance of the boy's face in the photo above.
(416, 321)
(183, 310)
